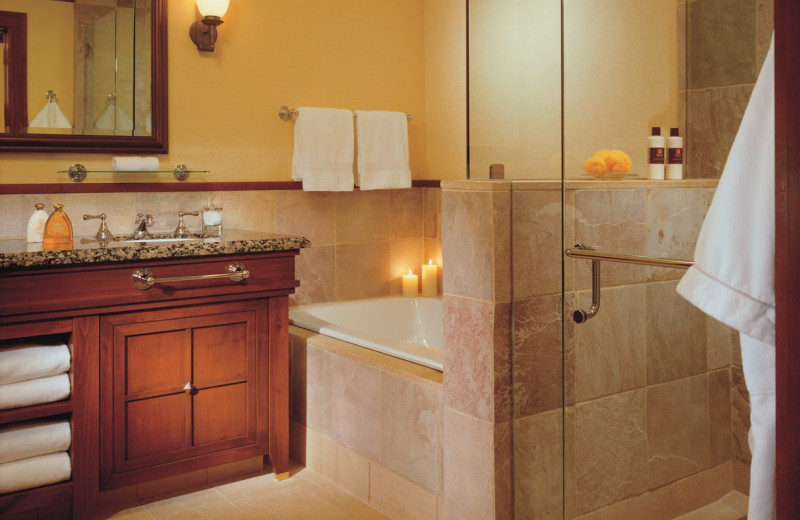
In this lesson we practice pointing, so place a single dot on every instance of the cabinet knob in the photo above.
(189, 387)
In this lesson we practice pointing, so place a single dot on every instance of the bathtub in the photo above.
(406, 328)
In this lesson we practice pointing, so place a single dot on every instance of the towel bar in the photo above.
(287, 114)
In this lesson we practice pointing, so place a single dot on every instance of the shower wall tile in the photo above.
(405, 254)
(314, 267)
(247, 210)
(501, 246)
(676, 335)
(410, 430)
(722, 43)
(720, 341)
(432, 225)
(674, 217)
(363, 216)
(355, 396)
(610, 450)
(714, 118)
(538, 355)
(611, 220)
(610, 353)
(719, 416)
(740, 416)
(765, 24)
(406, 212)
(677, 429)
(309, 214)
(362, 270)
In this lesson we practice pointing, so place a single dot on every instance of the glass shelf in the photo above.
(78, 172)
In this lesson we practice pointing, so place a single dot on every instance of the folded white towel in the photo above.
(134, 164)
(36, 391)
(33, 438)
(34, 472)
(382, 150)
(323, 149)
(21, 361)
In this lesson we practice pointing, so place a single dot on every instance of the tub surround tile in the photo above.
(363, 216)
(719, 416)
(398, 497)
(432, 223)
(406, 209)
(410, 430)
(672, 322)
(319, 405)
(467, 244)
(311, 214)
(314, 267)
(362, 270)
(677, 429)
(338, 463)
(405, 254)
(355, 395)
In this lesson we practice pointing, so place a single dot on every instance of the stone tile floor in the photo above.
(732, 506)
(304, 496)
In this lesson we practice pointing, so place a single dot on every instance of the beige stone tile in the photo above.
(610, 354)
(676, 330)
(248, 210)
(468, 467)
(236, 469)
(15, 210)
(366, 513)
(405, 254)
(720, 342)
(432, 250)
(610, 220)
(406, 210)
(741, 477)
(503, 379)
(310, 214)
(319, 406)
(538, 456)
(677, 429)
(503, 470)
(538, 384)
(610, 450)
(432, 225)
(315, 268)
(332, 492)
(719, 416)
(305, 506)
(133, 513)
(674, 217)
(118, 208)
(740, 416)
(297, 442)
(469, 356)
(467, 244)
(410, 430)
(355, 397)
(536, 241)
(172, 484)
(362, 216)
(201, 504)
(164, 206)
(398, 497)
(764, 26)
(501, 246)
(362, 270)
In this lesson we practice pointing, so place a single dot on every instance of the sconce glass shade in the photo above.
(213, 7)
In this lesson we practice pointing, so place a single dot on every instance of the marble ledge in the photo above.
(575, 184)
(18, 254)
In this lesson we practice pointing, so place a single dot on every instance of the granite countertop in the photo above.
(17, 253)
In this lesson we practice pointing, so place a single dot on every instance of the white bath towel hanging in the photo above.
(24, 360)
(733, 278)
(50, 116)
(382, 150)
(323, 149)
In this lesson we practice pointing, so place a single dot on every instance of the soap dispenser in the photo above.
(57, 230)
(36, 224)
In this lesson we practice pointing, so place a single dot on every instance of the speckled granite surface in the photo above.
(15, 253)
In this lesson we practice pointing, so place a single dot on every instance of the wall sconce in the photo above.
(204, 32)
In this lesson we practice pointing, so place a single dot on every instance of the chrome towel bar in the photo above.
(581, 251)
(145, 279)
(287, 113)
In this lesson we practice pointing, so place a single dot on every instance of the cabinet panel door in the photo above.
(156, 425)
(220, 353)
(222, 413)
(153, 362)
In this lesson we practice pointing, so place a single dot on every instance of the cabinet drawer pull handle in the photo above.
(145, 279)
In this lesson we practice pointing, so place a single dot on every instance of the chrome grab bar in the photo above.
(145, 279)
(581, 251)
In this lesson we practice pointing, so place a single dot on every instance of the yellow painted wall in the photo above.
(358, 54)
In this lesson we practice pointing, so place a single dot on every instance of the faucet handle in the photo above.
(182, 230)
(103, 234)
(147, 219)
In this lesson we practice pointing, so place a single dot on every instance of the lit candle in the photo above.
(430, 280)
(410, 284)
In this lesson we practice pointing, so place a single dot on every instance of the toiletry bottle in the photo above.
(656, 144)
(36, 223)
(57, 230)
(674, 155)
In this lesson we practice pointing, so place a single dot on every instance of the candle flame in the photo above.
(409, 272)
(430, 261)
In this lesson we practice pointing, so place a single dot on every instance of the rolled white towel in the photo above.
(33, 438)
(21, 361)
(35, 472)
(134, 164)
(36, 391)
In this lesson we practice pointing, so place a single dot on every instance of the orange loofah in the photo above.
(595, 164)
(618, 161)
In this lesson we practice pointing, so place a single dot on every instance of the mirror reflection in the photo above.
(88, 67)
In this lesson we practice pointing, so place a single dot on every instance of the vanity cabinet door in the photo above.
(182, 389)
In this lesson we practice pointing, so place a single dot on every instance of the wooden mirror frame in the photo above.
(155, 143)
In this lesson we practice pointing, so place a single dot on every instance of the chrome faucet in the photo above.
(103, 234)
(142, 221)
(182, 230)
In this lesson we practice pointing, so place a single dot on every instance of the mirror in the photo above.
(94, 77)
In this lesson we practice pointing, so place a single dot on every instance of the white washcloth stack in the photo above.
(33, 372)
(33, 454)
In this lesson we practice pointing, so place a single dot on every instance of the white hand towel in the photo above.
(33, 438)
(733, 276)
(36, 391)
(323, 149)
(382, 150)
(50, 116)
(134, 164)
(21, 361)
(34, 472)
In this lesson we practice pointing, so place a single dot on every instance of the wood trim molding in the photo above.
(111, 187)
(16, 112)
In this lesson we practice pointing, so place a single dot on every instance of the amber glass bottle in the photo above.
(57, 230)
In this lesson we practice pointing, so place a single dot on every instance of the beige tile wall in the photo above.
(361, 242)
